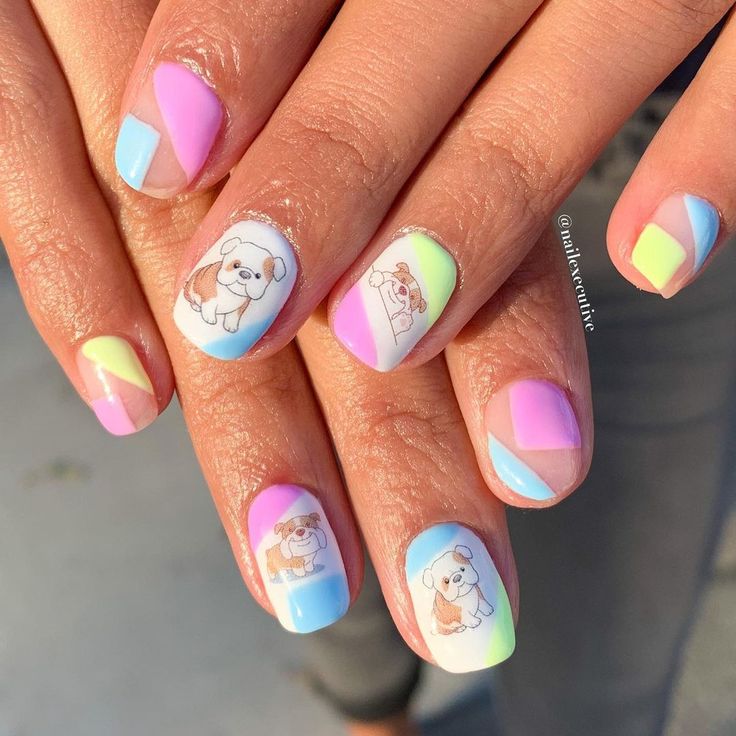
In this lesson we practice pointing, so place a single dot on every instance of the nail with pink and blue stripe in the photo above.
(167, 135)
(299, 558)
(534, 439)
(396, 301)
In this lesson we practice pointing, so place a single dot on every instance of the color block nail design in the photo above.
(460, 602)
(167, 136)
(236, 290)
(533, 439)
(300, 562)
(672, 248)
(118, 387)
(396, 301)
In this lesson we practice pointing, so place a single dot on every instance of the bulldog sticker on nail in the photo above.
(460, 602)
(396, 301)
(297, 554)
(236, 290)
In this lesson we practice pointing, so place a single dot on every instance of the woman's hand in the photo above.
(365, 117)
(258, 429)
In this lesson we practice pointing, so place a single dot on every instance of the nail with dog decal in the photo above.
(533, 439)
(236, 290)
(675, 243)
(460, 601)
(297, 554)
(119, 390)
(396, 301)
(166, 137)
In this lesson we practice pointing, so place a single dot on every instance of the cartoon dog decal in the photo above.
(458, 600)
(301, 540)
(228, 286)
(401, 296)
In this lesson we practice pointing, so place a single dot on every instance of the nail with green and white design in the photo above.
(460, 601)
(396, 301)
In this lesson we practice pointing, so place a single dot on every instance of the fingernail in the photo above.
(300, 562)
(166, 137)
(236, 290)
(533, 439)
(119, 390)
(673, 246)
(459, 599)
(396, 301)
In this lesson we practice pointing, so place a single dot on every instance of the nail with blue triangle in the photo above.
(534, 439)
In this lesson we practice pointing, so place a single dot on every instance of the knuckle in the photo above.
(345, 139)
(414, 433)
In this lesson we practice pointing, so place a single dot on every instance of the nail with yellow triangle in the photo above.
(119, 390)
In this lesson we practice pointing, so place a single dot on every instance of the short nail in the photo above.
(236, 290)
(533, 439)
(460, 602)
(120, 392)
(298, 557)
(167, 135)
(675, 243)
(396, 301)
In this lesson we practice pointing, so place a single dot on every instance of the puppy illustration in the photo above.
(401, 295)
(301, 540)
(458, 600)
(228, 286)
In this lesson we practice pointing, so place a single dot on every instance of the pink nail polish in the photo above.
(119, 390)
(533, 439)
(166, 137)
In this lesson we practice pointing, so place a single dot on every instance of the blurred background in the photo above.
(122, 610)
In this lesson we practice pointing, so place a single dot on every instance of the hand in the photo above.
(370, 107)
(257, 428)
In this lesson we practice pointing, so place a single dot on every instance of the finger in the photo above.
(71, 268)
(517, 149)
(437, 537)
(206, 80)
(264, 450)
(681, 202)
(520, 372)
(326, 168)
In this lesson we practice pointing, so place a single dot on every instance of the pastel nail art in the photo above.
(297, 554)
(120, 392)
(167, 136)
(236, 290)
(533, 439)
(459, 599)
(396, 301)
(673, 246)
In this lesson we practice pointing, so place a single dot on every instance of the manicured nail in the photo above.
(300, 562)
(673, 246)
(460, 602)
(119, 389)
(533, 439)
(396, 301)
(166, 137)
(236, 290)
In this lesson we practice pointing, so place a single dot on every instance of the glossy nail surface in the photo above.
(533, 439)
(166, 138)
(236, 290)
(673, 246)
(297, 554)
(396, 301)
(119, 390)
(459, 599)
